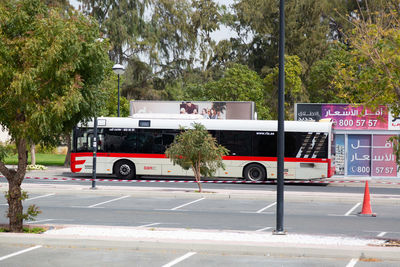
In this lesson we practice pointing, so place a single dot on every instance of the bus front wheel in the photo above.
(255, 173)
(124, 169)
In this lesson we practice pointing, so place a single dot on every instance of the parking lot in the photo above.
(203, 212)
(155, 209)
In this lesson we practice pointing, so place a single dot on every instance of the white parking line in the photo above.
(172, 263)
(381, 234)
(262, 229)
(352, 263)
(46, 220)
(147, 225)
(19, 252)
(48, 195)
(108, 201)
(267, 207)
(352, 209)
(187, 204)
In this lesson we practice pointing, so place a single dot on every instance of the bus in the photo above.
(131, 147)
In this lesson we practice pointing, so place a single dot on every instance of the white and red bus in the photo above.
(130, 147)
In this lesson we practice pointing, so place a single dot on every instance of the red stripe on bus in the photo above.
(162, 156)
(75, 162)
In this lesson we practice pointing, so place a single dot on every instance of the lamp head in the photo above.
(118, 69)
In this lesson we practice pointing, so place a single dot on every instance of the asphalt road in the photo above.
(329, 210)
(322, 218)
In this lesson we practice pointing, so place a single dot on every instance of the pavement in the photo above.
(224, 241)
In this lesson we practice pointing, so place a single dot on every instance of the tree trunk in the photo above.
(197, 176)
(15, 208)
(33, 154)
(67, 161)
(15, 178)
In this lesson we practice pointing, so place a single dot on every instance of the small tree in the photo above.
(196, 149)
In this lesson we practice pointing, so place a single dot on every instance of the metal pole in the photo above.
(281, 119)
(94, 153)
(118, 95)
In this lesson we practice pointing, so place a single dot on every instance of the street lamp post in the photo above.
(118, 69)
(281, 119)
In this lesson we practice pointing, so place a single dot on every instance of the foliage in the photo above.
(255, 22)
(6, 150)
(122, 22)
(238, 83)
(52, 63)
(294, 88)
(321, 87)
(36, 167)
(372, 75)
(109, 87)
(196, 149)
(28, 230)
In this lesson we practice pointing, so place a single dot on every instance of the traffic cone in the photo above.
(366, 209)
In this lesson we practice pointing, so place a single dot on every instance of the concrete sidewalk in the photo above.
(207, 241)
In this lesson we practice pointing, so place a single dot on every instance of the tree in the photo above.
(294, 89)
(51, 65)
(321, 87)
(372, 73)
(122, 22)
(196, 149)
(255, 22)
(238, 83)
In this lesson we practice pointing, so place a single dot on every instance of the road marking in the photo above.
(381, 234)
(48, 195)
(187, 204)
(262, 229)
(46, 220)
(184, 257)
(253, 212)
(352, 209)
(352, 263)
(19, 252)
(267, 207)
(108, 201)
(147, 225)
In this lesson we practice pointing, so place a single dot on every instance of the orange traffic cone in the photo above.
(366, 209)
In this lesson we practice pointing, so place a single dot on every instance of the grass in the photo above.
(41, 159)
(27, 230)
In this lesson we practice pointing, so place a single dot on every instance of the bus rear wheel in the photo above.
(124, 169)
(254, 173)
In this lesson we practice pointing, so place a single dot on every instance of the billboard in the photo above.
(365, 150)
(346, 116)
(233, 110)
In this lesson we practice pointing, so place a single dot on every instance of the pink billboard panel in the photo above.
(345, 116)
(383, 161)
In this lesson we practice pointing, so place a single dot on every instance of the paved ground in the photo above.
(240, 243)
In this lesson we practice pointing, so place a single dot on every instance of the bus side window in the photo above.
(129, 142)
(112, 141)
(238, 142)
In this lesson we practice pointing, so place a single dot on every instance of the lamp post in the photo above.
(118, 69)
(281, 128)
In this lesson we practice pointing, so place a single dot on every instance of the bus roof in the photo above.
(210, 124)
